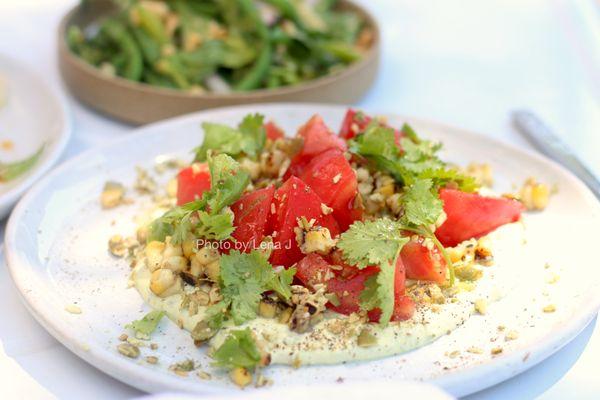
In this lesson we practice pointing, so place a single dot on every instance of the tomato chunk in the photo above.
(330, 175)
(313, 269)
(293, 200)
(317, 138)
(403, 305)
(192, 182)
(273, 131)
(354, 123)
(470, 215)
(422, 262)
(348, 291)
(251, 213)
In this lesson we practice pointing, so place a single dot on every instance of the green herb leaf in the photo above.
(421, 205)
(249, 138)
(244, 277)
(239, 350)
(379, 291)
(371, 242)
(147, 324)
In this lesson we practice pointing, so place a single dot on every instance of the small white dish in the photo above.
(56, 248)
(31, 115)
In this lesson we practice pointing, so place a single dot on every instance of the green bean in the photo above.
(289, 11)
(150, 48)
(152, 25)
(170, 68)
(123, 40)
(257, 73)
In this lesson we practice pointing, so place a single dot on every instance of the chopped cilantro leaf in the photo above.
(147, 324)
(239, 350)
(379, 291)
(244, 277)
(249, 138)
(371, 242)
(421, 205)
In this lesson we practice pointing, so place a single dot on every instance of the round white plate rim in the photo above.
(11, 196)
(479, 376)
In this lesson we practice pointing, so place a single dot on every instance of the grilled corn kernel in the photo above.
(267, 309)
(240, 376)
(206, 255)
(285, 316)
(534, 195)
(213, 270)
(154, 256)
(172, 249)
(164, 282)
(189, 248)
(175, 263)
(196, 268)
(252, 167)
(317, 241)
(455, 253)
(270, 162)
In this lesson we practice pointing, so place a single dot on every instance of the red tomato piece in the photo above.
(354, 123)
(192, 182)
(293, 200)
(318, 137)
(470, 215)
(348, 290)
(330, 175)
(313, 269)
(403, 305)
(273, 131)
(423, 263)
(251, 213)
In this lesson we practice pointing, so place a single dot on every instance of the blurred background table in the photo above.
(467, 63)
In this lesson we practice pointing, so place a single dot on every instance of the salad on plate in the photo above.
(321, 248)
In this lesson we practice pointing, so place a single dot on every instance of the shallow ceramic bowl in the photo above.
(140, 103)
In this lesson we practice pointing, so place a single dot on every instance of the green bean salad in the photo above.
(223, 46)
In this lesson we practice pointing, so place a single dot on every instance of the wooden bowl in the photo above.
(140, 103)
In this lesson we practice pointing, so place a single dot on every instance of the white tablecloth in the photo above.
(467, 63)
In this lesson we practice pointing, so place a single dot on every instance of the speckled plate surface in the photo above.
(56, 248)
(31, 115)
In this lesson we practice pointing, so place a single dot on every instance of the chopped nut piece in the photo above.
(152, 360)
(261, 381)
(337, 178)
(123, 337)
(144, 182)
(116, 246)
(129, 350)
(475, 350)
(550, 308)
(366, 338)
(325, 210)
(112, 195)
(73, 309)
(496, 350)
(468, 272)
(204, 375)
(240, 376)
(453, 354)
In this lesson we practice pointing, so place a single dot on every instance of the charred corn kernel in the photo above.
(206, 255)
(213, 270)
(483, 248)
(172, 188)
(116, 246)
(385, 186)
(112, 195)
(161, 281)
(393, 203)
(154, 251)
(317, 240)
(189, 248)
(175, 263)
(196, 268)
(482, 173)
(267, 309)
(240, 376)
(252, 167)
(455, 253)
(534, 195)
(285, 316)
(366, 338)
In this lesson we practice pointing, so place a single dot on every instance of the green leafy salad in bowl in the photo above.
(223, 46)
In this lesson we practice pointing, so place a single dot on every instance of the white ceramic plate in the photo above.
(31, 114)
(56, 247)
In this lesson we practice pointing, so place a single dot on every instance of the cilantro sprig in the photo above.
(249, 138)
(417, 160)
(147, 324)
(239, 350)
(205, 217)
(243, 279)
